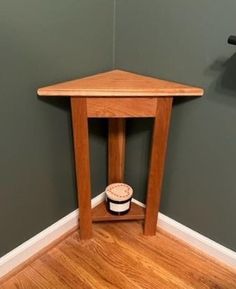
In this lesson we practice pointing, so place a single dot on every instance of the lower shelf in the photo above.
(100, 214)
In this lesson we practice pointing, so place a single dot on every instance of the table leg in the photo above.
(82, 164)
(157, 162)
(116, 150)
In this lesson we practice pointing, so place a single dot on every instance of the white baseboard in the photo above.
(195, 239)
(35, 244)
(32, 246)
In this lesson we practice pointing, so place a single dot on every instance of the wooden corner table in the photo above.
(118, 95)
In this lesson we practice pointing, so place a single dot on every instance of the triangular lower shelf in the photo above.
(100, 214)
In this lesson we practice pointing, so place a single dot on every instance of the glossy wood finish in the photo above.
(117, 95)
(82, 164)
(117, 83)
(119, 256)
(122, 107)
(116, 150)
(41, 252)
(157, 162)
(100, 214)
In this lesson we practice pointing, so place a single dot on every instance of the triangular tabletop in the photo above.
(118, 83)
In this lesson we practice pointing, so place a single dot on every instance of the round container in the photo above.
(118, 197)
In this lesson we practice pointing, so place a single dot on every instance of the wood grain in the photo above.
(82, 164)
(55, 267)
(54, 279)
(116, 150)
(121, 257)
(36, 256)
(118, 83)
(108, 274)
(157, 162)
(28, 279)
(119, 94)
(100, 214)
(122, 107)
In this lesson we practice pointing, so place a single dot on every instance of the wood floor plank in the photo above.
(197, 269)
(78, 269)
(37, 280)
(133, 268)
(110, 274)
(85, 262)
(121, 257)
(27, 279)
(54, 279)
(141, 262)
(74, 281)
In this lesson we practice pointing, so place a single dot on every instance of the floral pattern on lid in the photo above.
(119, 192)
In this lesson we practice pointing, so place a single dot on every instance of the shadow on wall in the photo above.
(59, 102)
(183, 99)
(223, 89)
(228, 81)
(138, 144)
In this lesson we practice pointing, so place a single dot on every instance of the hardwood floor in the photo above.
(120, 256)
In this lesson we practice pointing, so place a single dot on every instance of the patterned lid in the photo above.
(119, 192)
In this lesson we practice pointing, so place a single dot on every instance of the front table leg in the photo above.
(157, 162)
(82, 164)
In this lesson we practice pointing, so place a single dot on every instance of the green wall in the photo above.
(43, 42)
(186, 41)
